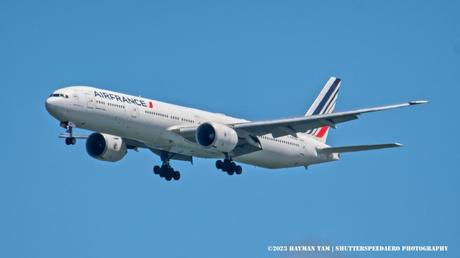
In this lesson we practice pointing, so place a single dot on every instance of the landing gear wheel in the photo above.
(233, 166)
(176, 175)
(70, 140)
(156, 170)
(162, 172)
(219, 164)
(238, 170)
(226, 165)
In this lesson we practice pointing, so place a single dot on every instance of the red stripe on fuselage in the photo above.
(150, 104)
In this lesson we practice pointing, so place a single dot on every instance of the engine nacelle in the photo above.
(218, 136)
(106, 147)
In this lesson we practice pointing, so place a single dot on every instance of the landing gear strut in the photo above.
(165, 170)
(227, 165)
(69, 138)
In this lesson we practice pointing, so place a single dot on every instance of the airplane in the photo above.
(122, 122)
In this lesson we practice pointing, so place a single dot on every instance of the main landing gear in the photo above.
(69, 138)
(166, 171)
(227, 165)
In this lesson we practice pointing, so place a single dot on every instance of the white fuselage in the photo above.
(150, 122)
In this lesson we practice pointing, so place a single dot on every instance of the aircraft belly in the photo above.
(183, 146)
(273, 156)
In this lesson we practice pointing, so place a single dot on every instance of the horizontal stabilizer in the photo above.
(67, 135)
(359, 148)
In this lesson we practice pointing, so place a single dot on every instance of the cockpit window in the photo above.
(60, 95)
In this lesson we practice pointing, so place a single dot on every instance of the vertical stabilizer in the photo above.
(324, 104)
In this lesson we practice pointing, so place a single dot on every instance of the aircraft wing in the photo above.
(281, 127)
(291, 126)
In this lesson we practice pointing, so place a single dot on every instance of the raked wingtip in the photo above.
(418, 102)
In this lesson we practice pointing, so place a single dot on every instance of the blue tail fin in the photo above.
(324, 104)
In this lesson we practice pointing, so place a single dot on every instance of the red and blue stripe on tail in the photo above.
(324, 104)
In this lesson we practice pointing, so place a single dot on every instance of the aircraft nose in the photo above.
(50, 105)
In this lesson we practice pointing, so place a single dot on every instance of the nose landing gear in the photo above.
(68, 135)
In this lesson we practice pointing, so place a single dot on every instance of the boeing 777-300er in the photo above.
(121, 122)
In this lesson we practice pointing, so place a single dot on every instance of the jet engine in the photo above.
(218, 136)
(106, 147)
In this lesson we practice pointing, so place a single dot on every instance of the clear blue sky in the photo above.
(257, 60)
